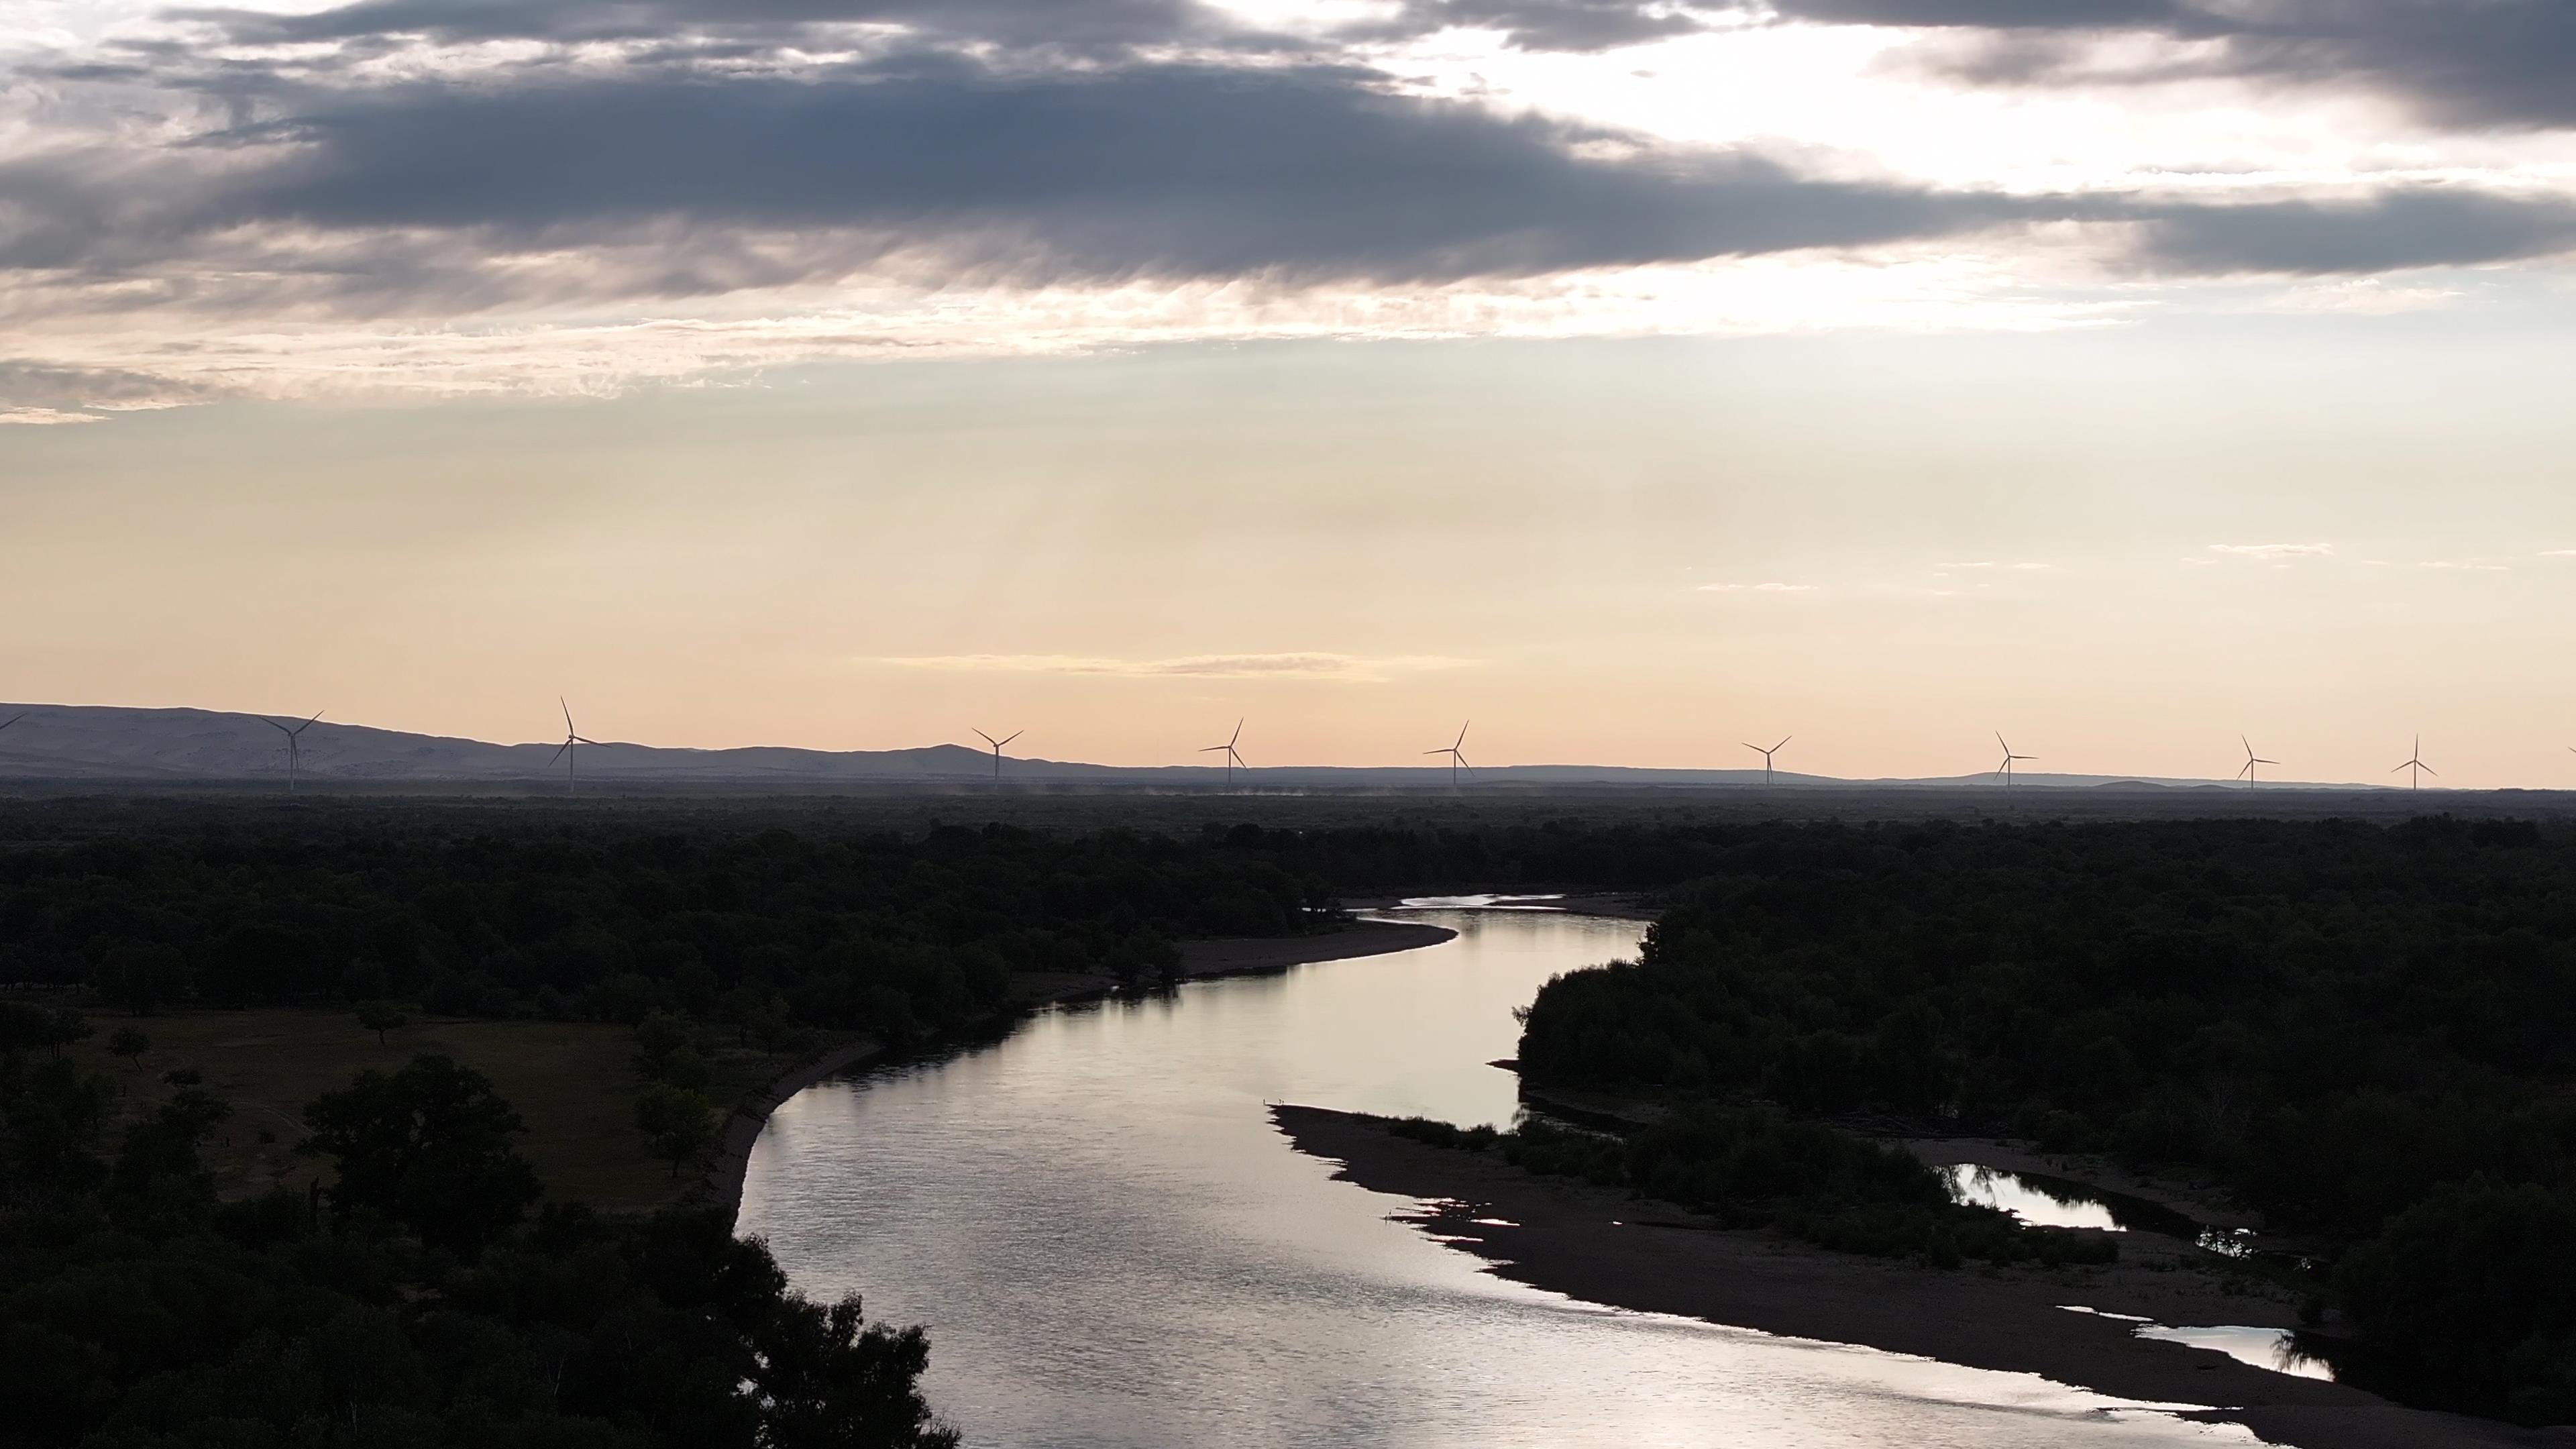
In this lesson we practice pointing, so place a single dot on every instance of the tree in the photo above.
(428, 1147)
(679, 1122)
(828, 1380)
(64, 1026)
(126, 1041)
(381, 1017)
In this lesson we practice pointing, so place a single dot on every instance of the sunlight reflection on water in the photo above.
(1112, 1246)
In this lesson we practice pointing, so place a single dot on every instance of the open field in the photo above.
(573, 1082)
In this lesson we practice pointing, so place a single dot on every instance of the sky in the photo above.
(1635, 380)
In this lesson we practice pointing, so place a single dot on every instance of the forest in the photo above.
(2366, 1033)
(421, 1301)
(847, 928)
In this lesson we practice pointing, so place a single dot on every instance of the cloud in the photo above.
(1345, 667)
(43, 417)
(2474, 64)
(2558, 553)
(1559, 25)
(567, 195)
(2465, 565)
(2274, 552)
(2026, 568)
(1757, 588)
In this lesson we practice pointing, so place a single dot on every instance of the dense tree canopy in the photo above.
(137, 1312)
(2368, 1033)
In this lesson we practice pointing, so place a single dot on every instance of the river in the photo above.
(1112, 1246)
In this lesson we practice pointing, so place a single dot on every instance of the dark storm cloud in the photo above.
(1167, 171)
(1077, 24)
(674, 183)
(1080, 26)
(2420, 228)
(2482, 63)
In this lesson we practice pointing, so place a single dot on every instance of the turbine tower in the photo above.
(2252, 759)
(2416, 767)
(565, 751)
(294, 744)
(1766, 757)
(2006, 768)
(1233, 757)
(1457, 756)
(1004, 740)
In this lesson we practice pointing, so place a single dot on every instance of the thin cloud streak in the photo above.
(2274, 552)
(1331, 667)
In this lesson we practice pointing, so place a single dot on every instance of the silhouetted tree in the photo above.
(128, 1042)
(381, 1017)
(678, 1122)
(428, 1147)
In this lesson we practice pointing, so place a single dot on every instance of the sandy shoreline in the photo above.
(1606, 1247)
(729, 1160)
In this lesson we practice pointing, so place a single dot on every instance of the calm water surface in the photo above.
(1113, 1247)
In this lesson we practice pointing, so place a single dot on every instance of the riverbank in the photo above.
(1606, 1247)
(729, 1159)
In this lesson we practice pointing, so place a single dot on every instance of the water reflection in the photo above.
(2046, 1207)
(1112, 1246)
(2276, 1349)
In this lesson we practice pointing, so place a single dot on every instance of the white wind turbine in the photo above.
(1232, 756)
(2252, 759)
(2006, 768)
(1766, 757)
(565, 751)
(294, 745)
(997, 748)
(1456, 751)
(2416, 766)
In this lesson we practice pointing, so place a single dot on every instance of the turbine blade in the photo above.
(1757, 749)
(1238, 732)
(567, 709)
(1462, 735)
(585, 739)
(1013, 735)
(2429, 770)
(988, 739)
(1211, 749)
(558, 754)
(1999, 739)
(1784, 744)
(22, 714)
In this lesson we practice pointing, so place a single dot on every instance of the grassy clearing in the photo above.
(573, 1082)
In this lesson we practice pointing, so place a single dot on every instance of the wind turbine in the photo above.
(294, 744)
(1457, 756)
(2415, 763)
(1233, 757)
(565, 751)
(1006, 739)
(1766, 757)
(2252, 759)
(2006, 768)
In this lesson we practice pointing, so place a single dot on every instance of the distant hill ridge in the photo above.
(179, 746)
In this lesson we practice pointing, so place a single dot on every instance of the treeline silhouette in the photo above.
(2367, 1033)
(414, 1304)
(896, 935)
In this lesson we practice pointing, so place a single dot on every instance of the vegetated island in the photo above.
(2360, 1037)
